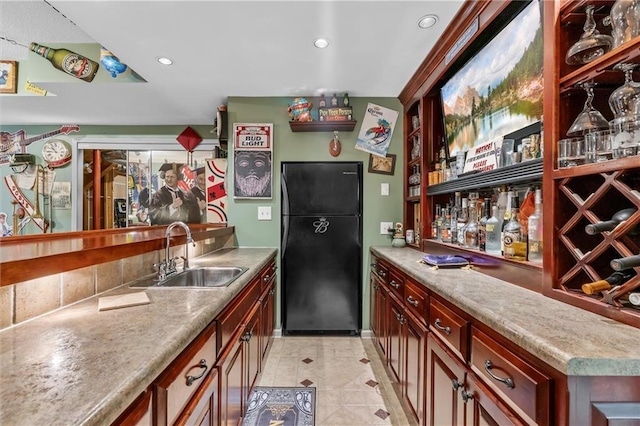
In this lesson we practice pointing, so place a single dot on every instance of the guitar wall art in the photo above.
(17, 142)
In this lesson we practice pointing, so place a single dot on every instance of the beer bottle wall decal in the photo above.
(67, 61)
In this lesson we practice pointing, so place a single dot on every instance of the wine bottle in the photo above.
(482, 225)
(514, 237)
(493, 229)
(617, 278)
(68, 62)
(609, 225)
(535, 230)
(625, 262)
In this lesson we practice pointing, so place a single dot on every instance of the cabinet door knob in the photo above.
(447, 329)
(203, 365)
(466, 396)
(456, 384)
(507, 381)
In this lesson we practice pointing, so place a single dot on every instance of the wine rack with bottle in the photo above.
(592, 193)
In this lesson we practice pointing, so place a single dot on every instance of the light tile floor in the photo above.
(352, 386)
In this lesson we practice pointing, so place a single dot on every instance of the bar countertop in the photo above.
(82, 366)
(574, 341)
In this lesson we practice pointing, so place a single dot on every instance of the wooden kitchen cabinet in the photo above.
(446, 378)
(268, 303)
(177, 386)
(378, 304)
(139, 412)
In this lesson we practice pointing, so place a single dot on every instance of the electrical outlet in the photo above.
(384, 227)
(384, 189)
(264, 212)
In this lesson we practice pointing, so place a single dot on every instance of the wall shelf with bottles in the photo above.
(521, 173)
(589, 194)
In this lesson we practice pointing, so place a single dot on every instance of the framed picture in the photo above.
(8, 77)
(382, 165)
(252, 162)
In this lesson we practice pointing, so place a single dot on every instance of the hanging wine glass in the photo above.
(625, 105)
(625, 100)
(589, 119)
(591, 45)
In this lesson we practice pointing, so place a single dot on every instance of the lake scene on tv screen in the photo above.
(499, 90)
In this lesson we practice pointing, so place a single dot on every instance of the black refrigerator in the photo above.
(321, 247)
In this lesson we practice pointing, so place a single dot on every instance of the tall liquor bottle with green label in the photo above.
(68, 62)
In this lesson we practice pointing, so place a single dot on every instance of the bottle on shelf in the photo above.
(322, 103)
(345, 99)
(514, 239)
(435, 229)
(617, 278)
(334, 100)
(494, 226)
(625, 263)
(470, 230)
(456, 209)
(609, 225)
(68, 62)
(505, 217)
(482, 225)
(443, 161)
(445, 230)
(535, 230)
(463, 218)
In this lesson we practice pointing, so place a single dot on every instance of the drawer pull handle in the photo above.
(456, 384)
(466, 396)
(447, 329)
(413, 301)
(203, 365)
(394, 284)
(507, 381)
(267, 278)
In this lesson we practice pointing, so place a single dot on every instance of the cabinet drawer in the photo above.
(450, 327)
(416, 299)
(380, 269)
(180, 381)
(267, 275)
(522, 386)
(396, 283)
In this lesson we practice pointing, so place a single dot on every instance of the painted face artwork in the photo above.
(253, 173)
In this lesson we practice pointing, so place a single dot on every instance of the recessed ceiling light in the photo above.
(321, 43)
(427, 21)
(164, 61)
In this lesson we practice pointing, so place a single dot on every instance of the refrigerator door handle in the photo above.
(285, 195)
(285, 235)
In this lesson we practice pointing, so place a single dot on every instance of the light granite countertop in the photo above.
(80, 366)
(574, 341)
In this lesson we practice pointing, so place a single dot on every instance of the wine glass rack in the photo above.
(589, 193)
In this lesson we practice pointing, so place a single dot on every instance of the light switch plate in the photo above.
(264, 212)
(384, 227)
(384, 188)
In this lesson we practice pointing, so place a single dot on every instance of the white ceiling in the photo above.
(257, 48)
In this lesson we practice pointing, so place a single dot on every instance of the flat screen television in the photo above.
(499, 90)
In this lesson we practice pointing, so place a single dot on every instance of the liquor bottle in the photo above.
(435, 229)
(617, 278)
(345, 99)
(445, 231)
(514, 241)
(609, 225)
(68, 62)
(625, 263)
(322, 103)
(471, 228)
(506, 217)
(456, 209)
(334, 100)
(535, 230)
(463, 218)
(443, 161)
(482, 225)
(494, 226)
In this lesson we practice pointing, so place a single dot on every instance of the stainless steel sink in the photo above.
(204, 277)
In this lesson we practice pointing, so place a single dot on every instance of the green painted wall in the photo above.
(314, 146)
